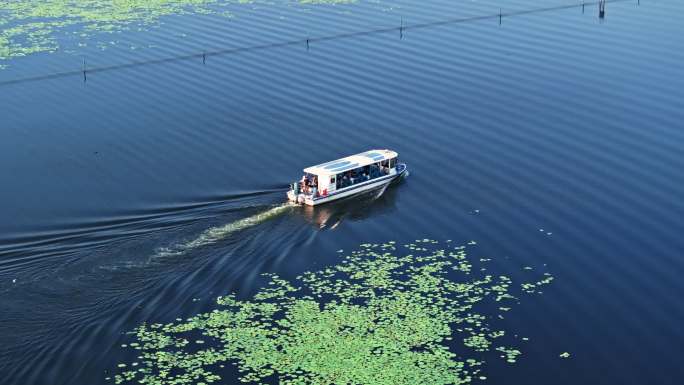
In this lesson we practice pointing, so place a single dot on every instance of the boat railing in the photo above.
(300, 188)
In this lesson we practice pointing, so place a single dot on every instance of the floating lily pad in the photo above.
(379, 317)
(31, 26)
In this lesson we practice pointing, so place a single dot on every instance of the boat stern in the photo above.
(300, 198)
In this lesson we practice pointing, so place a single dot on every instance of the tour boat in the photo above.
(355, 174)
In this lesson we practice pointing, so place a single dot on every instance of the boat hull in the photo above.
(367, 186)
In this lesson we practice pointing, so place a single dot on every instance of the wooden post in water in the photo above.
(84, 70)
(583, 7)
(602, 9)
(401, 28)
(500, 16)
(204, 58)
(307, 43)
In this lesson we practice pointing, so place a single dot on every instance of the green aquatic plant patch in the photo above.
(384, 315)
(32, 26)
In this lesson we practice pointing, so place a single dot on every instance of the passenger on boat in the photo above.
(385, 167)
(314, 186)
(373, 169)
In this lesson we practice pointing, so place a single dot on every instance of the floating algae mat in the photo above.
(385, 315)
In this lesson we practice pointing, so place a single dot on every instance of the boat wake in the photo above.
(215, 234)
(84, 241)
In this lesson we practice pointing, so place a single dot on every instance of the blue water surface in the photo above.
(553, 139)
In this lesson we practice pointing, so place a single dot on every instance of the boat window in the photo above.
(374, 170)
(332, 179)
(392, 162)
(343, 180)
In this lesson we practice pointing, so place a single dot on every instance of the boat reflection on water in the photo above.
(355, 208)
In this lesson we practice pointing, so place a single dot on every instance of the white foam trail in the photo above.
(216, 234)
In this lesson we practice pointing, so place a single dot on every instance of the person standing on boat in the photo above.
(307, 184)
(314, 183)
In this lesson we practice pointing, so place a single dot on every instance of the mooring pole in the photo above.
(204, 58)
(84, 69)
(500, 16)
(401, 28)
(582, 6)
(307, 43)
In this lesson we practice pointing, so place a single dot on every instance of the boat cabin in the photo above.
(349, 173)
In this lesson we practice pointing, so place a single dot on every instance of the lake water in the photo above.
(554, 140)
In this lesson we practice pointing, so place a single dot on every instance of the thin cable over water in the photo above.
(306, 41)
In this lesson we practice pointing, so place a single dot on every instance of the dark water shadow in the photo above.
(354, 208)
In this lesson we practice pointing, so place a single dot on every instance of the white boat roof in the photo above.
(351, 162)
